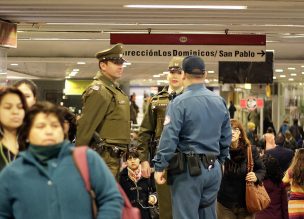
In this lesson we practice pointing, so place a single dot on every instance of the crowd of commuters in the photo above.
(185, 123)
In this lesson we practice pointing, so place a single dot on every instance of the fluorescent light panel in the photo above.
(214, 7)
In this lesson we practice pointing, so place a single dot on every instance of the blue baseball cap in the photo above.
(194, 65)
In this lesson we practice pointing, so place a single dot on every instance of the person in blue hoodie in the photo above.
(43, 182)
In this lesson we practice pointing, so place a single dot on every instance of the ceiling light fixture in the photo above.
(290, 79)
(282, 76)
(279, 70)
(247, 86)
(293, 74)
(14, 64)
(81, 63)
(214, 7)
(291, 68)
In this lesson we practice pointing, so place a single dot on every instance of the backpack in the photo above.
(80, 159)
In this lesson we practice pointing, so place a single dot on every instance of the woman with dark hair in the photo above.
(275, 189)
(231, 196)
(12, 110)
(29, 90)
(43, 182)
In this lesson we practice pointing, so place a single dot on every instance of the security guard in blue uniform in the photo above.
(197, 129)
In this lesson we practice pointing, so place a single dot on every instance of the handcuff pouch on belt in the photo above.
(194, 165)
(176, 164)
(208, 160)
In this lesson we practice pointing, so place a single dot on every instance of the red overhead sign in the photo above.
(188, 39)
(211, 47)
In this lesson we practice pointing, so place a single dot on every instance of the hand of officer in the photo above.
(160, 177)
(251, 177)
(145, 169)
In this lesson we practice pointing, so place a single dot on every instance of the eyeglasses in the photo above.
(175, 70)
(118, 61)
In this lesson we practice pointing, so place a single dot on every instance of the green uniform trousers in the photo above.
(113, 163)
(164, 201)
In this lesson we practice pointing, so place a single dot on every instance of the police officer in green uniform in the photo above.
(152, 126)
(106, 112)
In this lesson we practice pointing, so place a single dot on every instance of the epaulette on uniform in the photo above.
(96, 85)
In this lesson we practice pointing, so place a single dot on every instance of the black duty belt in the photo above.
(113, 150)
(208, 160)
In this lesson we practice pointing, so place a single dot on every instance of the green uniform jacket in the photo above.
(106, 109)
(153, 121)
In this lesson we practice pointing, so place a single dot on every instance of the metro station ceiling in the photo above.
(54, 35)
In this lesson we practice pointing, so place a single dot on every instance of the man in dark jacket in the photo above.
(283, 155)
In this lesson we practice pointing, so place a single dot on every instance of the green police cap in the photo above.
(175, 62)
(110, 54)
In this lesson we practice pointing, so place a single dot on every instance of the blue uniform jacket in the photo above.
(30, 191)
(198, 121)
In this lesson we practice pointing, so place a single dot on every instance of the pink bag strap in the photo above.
(81, 162)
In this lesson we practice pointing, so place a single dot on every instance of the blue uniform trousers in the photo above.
(189, 193)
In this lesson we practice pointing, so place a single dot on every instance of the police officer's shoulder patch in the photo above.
(95, 87)
(167, 120)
